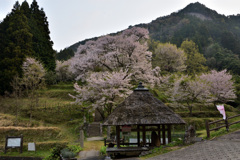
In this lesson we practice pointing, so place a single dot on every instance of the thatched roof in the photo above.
(141, 107)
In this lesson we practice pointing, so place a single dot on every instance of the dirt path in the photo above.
(92, 154)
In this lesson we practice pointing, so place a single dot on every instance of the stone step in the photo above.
(94, 129)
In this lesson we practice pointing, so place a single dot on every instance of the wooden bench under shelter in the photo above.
(141, 112)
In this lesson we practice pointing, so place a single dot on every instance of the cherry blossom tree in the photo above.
(104, 90)
(108, 65)
(33, 75)
(127, 51)
(188, 91)
(33, 79)
(221, 85)
(62, 71)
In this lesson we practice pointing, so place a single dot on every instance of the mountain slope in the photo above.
(217, 36)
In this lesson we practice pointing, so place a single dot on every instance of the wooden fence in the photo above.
(224, 123)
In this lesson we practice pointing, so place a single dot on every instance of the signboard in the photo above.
(14, 142)
(126, 128)
(31, 147)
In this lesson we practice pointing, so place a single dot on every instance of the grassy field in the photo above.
(54, 120)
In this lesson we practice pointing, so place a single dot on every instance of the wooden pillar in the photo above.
(108, 132)
(82, 138)
(144, 135)
(163, 134)
(169, 133)
(207, 129)
(159, 133)
(118, 136)
(138, 135)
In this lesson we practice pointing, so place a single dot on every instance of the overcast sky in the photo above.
(71, 21)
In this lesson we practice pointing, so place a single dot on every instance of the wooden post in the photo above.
(138, 135)
(84, 117)
(163, 134)
(5, 151)
(144, 135)
(227, 126)
(118, 136)
(207, 128)
(169, 133)
(159, 133)
(81, 138)
(108, 132)
(21, 148)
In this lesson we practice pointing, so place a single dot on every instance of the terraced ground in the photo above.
(50, 119)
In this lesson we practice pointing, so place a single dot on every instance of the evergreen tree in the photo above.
(18, 44)
(65, 54)
(24, 32)
(42, 43)
(25, 9)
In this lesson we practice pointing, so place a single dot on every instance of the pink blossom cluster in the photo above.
(127, 51)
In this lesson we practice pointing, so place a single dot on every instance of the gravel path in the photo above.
(226, 147)
(89, 155)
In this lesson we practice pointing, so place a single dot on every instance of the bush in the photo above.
(103, 150)
(66, 153)
(75, 148)
(55, 153)
(50, 78)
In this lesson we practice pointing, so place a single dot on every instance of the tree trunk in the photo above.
(101, 113)
(190, 111)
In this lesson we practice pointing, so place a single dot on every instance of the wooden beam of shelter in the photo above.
(169, 133)
(163, 134)
(144, 135)
(138, 135)
(146, 129)
(159, 133)
(118, 136)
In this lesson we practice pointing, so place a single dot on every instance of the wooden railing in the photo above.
(225, 124)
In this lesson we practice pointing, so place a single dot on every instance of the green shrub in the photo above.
(55, 153)
(50, 78)
(103, 150)
(75, 148)
(66, 153)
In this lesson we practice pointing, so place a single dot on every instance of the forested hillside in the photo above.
(217, 36)
(189, 60)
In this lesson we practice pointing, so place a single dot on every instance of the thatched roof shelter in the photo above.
(141, 107)
(147, 113)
